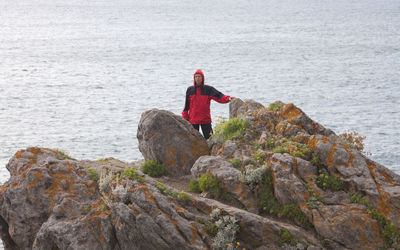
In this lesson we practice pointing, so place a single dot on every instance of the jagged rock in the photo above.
(296, 116)
(348, 225)
(51, 203)
(234, 105)
(227, 150)
(229, 178)
(171, 140)
(361, 175)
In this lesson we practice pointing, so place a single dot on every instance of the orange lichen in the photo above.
(330, 156)
(38, 178)
(195, 235)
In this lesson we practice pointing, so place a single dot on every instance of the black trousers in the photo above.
(205, 128)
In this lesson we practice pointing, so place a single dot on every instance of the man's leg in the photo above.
(196, 126)
(207, 130)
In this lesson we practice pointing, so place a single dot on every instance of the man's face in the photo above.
(198, 79)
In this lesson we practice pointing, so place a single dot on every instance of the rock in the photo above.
(38, 212)
(347, 224)
(361, 175)
(229, 178)
(227, 150)
(171, 140)
(296, 116)
(234, 105)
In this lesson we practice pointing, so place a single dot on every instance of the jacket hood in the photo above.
(198, 72)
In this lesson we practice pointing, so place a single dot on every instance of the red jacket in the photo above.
(197, 104)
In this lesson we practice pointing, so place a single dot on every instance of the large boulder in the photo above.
(171, 140)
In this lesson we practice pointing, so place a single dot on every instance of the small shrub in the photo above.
(325, 181)
(62, 154)
(183, 196)
(353, 140)
(297, 154)
(133, 174)
(209, 183)
(259, 157)
(274, 106)
(252, 177)
(389, 231)
(267, 202)
(212, 229)
(201, 220)
(280, 150)
(227, 229)
(287, 237)
(270, 143)
(194, 186)
(231, 129)
(93, 175)
(293, 213)
(236, 163)
(120, 191)
(357, 198)
(316, 161)
(163, 189)
(153, 168)
(101, 160)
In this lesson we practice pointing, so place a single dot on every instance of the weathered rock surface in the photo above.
(51, 203)
(171, 140)
(337, 197)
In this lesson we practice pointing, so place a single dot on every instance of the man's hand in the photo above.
(231, 98)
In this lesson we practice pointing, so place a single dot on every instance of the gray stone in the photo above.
(171, 140)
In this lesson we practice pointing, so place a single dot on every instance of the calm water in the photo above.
(76, 75)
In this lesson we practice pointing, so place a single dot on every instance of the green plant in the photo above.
(357, 198)
(101, 160)
(353, 140)
(389, 231)
(259, 157)
(212, 229)
(314, 200)
(316, 161)
(267, 202)
(231, 129)
(183, 196)
(293, 213)
(287, 237)
(280, 149)
(227, 229)
(194, 186)
(133, 174)
(209, 183)
(62, 154)
(325, 181)
(274, 106)
(236, 163)
(270, 143)
(163, 189)
(93, 175)
(153, 168)
(87, 209)
(201, 220)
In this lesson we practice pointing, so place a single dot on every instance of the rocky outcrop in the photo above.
(287, 183)
(52, 203)
(171, 140)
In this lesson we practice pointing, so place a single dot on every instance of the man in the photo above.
(197, 104)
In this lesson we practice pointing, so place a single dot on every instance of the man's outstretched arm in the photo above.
(219, 97)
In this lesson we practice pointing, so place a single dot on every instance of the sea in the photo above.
(77, 75)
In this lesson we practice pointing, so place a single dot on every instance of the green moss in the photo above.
(231, 129)
(294, 213)
(153, 168)
(93, 175)
(163, 189)
(236, 163)
(274, 107)
(267, 202)
(325, 182)
(209, 183)
(212, 229)
(194, 186)
(259, 157)
(183, 196)
(297, 153)
(133, 174)
(287, 237)
(280, 150)
(357, 198)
